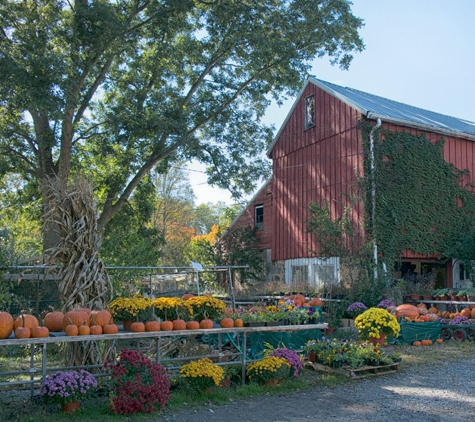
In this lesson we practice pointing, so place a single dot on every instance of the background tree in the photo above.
(113, 88)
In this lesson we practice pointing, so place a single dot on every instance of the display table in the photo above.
(37, 375)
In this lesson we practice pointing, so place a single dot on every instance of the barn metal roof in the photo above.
(373, 107)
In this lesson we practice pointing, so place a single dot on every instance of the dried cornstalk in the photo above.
(84, 281)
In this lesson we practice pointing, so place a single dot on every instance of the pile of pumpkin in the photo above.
(301, 300)
(80, 321)
(420, 313)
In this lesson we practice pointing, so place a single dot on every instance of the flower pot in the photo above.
(416, 297)
(273, 323)
(312, 356)
(427, 297)
(226, 382)
(71, 407)
(271, 383)
(255, 324)
(126, 324)
(379, 340)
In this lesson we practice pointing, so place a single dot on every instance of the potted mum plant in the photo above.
(68, 388)
(202, 374)
(268, 371)
(376, 324)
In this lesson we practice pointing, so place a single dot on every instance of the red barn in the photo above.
(317, 156)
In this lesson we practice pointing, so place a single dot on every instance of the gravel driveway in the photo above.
(442, 392)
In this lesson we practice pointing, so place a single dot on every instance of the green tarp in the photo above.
(412, 331)
(295, 340)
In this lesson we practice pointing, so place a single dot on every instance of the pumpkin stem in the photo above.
(23, 319)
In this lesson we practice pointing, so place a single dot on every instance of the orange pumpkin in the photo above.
(166, 326)
(206, 323)
(466, 312)
(30, 321)
(316, 301)
(71, 330)
(407, 310)
(301, 298)
(137, 327)
(86, 310)
(473, 312)
(54, 321)
(186, 296)
(228, 312)
(417, 343)
(84, 330)
(179, 324)
(77, 318)
(6, 324)
(192, 325)
(95, 330)
(238, 323)
(102, 317)
(421, 305)
(22, 332)
(439, 341)
(425, 318)
(152, 326)
(226, 323)
(110, 329)
(39, 332)
(433, 310)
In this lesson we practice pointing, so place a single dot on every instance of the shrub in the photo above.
(137, 384)
(290, 356)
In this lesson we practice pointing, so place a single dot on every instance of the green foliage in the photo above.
(111, 89)
(423, 203)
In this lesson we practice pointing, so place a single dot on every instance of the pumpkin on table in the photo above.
(54, 321)
(166, 326)
(226, 323)
(84, 330)
(22, 331)
(151, 326)
(6, 324)
(110, 328)
(76, 317)
(102, 317)
(39, 332)
(179, 324)
(137, 327)
(206, 323)
(26, 320)
(192, 325)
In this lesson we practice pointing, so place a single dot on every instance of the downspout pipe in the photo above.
(373, 197)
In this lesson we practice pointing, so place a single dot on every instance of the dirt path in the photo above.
(424, 394)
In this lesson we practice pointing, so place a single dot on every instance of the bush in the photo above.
(137, 384)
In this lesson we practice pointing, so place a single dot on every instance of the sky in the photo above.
(418, 52)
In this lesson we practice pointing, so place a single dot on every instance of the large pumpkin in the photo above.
(30, 321)
(54, 321)
(316, 301)
(76, 317)
(152, 326)
(179, 324)
(407, 310)
(102, 317)
(6, 324)
(192, 325)
(226, 323)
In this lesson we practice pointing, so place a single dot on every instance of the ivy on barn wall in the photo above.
(423, 203)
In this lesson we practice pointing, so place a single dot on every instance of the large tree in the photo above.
(114, 88)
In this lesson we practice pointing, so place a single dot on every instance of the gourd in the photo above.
(192, 325)
(166, 326)
(6, 324)
(226, 323)
(22, 331)
(102, 317)
(26, 320)
(54, 321)
(76, 317)
(186, 296)
(152, 326)
(137, 327)
(206, 323)
(407, 310)
(39, 332)
(110, 328)
(84, 330)
(239, 323)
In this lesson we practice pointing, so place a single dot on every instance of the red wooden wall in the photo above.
(314, 165)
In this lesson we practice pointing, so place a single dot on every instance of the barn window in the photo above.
(259, 217)
(309, 112)
(325, 274)
(299, 273)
